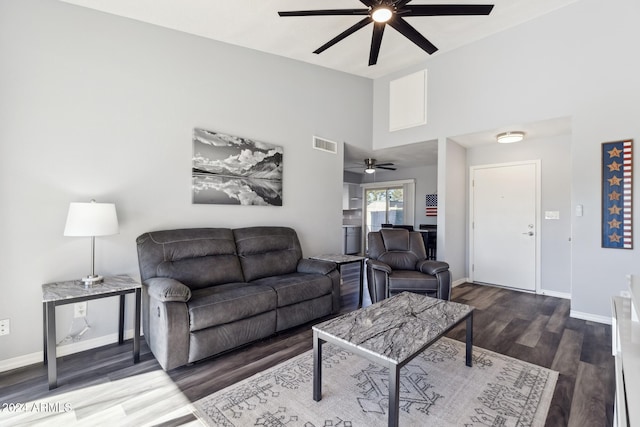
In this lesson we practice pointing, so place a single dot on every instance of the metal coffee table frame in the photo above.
(393, 364)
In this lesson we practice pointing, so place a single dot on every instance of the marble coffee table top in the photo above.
(395, 328)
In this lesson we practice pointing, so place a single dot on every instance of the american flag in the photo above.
(617, 161)
(432, 204)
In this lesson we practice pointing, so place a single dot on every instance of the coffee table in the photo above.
(391, 333)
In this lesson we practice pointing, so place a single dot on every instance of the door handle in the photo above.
(530, 233)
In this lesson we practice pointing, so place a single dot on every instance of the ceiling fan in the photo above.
(392, 12)
(371, 166)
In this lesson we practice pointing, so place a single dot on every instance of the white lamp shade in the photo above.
(91, 219)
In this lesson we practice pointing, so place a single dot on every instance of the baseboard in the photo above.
(556, 294)
(590, 317)
(63, 350)
(459, 282)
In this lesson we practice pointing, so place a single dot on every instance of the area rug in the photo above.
(437, 389)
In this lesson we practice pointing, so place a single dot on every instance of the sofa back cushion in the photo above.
(267, 251)
(197, 257)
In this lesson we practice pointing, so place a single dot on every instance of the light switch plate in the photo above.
(551, 214)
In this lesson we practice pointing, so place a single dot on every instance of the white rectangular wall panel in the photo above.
(408, 101)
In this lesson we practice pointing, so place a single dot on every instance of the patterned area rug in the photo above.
(437, 389)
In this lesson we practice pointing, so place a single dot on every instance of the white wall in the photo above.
(96, 106)
(577, 62)
(452, 212)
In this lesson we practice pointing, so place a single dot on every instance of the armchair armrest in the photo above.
(379, 266)
(316, 266)
(432, 267)
(168, 290)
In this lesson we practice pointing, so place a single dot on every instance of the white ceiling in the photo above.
(255, 24)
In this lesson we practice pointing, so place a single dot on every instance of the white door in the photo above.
(504, 224)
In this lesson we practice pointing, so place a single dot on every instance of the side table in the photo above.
(341, 260)
(70, 292)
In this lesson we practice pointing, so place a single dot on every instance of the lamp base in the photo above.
(92, 280)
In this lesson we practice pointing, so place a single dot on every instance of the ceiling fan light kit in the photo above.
(381, 14)
(510, 137)
(392, 12)
(371, 166)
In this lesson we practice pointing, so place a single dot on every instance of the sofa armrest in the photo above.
(432, 267)
(316, 266)
(379, 266)
(168, 290)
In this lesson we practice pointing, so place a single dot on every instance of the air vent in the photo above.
(325, 145)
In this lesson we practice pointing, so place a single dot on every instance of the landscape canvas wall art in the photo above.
(231, 170)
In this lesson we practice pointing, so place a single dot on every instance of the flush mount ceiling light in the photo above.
(509, 137)
(381, 14)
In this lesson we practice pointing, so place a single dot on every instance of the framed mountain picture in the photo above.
(232, 170)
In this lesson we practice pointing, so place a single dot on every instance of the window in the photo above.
(384, 206)
(391, 202)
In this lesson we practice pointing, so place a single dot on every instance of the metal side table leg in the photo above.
(136, 328)
(52, 361)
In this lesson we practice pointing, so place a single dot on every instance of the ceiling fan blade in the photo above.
(344, 34)
(401, 3)
(385, 164)
(325, 12)
(369, 3)
(385, 167)
(376, 41)
(447, 9)
(412, 34)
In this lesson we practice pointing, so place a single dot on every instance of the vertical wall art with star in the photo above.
(617, 212)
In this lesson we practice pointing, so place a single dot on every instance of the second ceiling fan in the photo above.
(383, 12)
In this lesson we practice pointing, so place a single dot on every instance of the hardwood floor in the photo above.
(103, 385)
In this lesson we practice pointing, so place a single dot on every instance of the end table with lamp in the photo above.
(87, 220)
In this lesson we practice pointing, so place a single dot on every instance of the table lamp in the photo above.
(90, 220)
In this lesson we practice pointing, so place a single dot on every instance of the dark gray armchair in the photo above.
(397, 263)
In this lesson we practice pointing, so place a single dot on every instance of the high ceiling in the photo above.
(255, 24)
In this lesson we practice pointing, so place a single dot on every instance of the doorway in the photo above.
(504, 225)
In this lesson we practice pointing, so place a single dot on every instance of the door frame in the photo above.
(538, 186)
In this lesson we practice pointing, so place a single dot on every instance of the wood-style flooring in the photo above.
(103, 386)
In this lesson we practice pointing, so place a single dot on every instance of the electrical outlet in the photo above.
(80, 309)
(5, 327)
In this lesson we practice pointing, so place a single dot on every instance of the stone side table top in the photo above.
(338, 258)
(75, 288)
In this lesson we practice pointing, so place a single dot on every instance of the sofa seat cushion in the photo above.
(227, 303)
(297, 287)
(412, 281)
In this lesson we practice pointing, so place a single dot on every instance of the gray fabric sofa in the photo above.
(209, 290)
